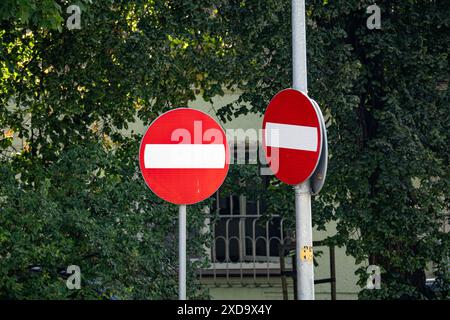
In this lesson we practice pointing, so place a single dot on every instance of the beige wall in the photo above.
(249, 121)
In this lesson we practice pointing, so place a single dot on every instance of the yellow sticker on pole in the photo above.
(306, 254)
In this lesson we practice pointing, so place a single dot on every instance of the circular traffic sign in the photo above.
(292, 136)
(184, 156)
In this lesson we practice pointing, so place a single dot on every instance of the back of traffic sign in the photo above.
(318, 177)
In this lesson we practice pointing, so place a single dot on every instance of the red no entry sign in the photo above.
(292, 136)
(184, 156)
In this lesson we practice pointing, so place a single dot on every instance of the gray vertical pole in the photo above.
(303, 228)
(300, 80)
(182, 252)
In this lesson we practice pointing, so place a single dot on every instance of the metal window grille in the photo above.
(245, 243)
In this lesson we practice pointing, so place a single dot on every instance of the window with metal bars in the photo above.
(242, 233)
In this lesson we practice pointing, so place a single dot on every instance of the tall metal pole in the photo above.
(299, 79)
(303, 227)
(182, 252)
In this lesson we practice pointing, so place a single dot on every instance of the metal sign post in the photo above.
(305, 267)
(182, 252)
(184, 172)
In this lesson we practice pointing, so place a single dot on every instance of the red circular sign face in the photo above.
(184, 156)
(292, 136)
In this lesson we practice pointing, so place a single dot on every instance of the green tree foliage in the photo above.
(90, 208)
(68, 94)
(45, 14)
(71, 191)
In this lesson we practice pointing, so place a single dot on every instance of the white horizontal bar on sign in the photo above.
(288, 136)
(184, 156)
